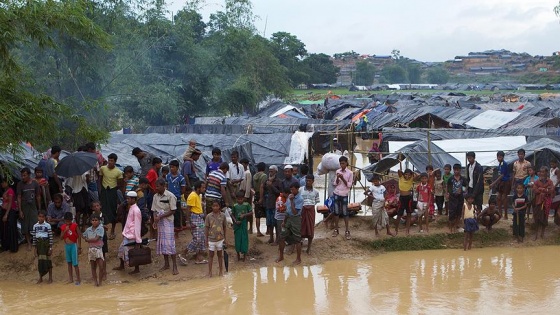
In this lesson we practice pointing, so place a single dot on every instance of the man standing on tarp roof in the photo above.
(144, 159)
(475, 178)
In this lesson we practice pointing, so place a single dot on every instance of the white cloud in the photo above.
(429, 30)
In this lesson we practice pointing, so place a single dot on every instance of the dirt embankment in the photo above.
(22, 266)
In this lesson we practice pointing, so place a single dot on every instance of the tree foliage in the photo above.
(394, 74)
(365, 73)
(438, 76)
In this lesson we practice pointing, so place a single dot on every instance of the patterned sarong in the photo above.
(45, 263)
(198, 242)
(166, 238)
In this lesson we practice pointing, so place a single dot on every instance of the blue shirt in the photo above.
(503, 170)
(298, 202)
(213, 166)
(174, 184)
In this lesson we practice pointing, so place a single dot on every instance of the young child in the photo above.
(241, 212)
(424, 192)
(446, 176)
(431, 183)
(342, 184)
(469, 218)
(528, 183)
(70, 234)
(96, 209)
(214, 163)
(380, 217)
(189, 151)
(215, 224)
(455, 189)
(391, 201)
(43, 241)
(164, 172)
(94, 236)
(520, 203)
(280, 214)
(406, 181)
(439, 192)
(490, 215)
(544, 193)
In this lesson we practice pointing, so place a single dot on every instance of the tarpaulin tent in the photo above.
(544, 150)
(416, 154)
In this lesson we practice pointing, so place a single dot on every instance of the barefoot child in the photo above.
(291, 226)
(42, 241)
(490, 215)
(469, 218)
(520, 203)
(96, 209)
(310, 199)
(528, 183)
(380, 217)
(94, 236)
(215, 224)
(425, 201)
(446, 176)
(70, 234)
(455, 189)
(439, 192)
(241, 212)
(406, 181)
(544, 193)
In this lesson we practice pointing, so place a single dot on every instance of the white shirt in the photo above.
(471, 179)
(236, 171)
(553, 176)
(378, 192)
(77, 183)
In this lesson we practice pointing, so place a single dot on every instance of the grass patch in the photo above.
(438, 241)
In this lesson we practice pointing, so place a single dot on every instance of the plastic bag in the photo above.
(227, 213)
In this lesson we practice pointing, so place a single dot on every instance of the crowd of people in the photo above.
(160, 202)
(156, 204)
(527, 190)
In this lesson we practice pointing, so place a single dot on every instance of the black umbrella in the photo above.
(76, 164)
(226, 259)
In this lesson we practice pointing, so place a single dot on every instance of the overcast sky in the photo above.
(427, 30)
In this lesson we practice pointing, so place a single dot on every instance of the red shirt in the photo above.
(72, 234)
(152, 176)
(424, 193)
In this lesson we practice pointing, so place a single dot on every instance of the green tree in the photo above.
(290, 51)
(414, 73)
(30, 114)
(320, 69)
(394, 74)
(365, 73)
(437, 76)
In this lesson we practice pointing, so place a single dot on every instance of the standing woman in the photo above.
(544, 192)
(8, 228)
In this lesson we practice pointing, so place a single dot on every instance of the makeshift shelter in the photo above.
(416, 154)
(539, 152)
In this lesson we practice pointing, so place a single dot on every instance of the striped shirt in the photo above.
(42, 230)
(215, 181)
(310, 197)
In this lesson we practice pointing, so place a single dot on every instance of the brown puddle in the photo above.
(490, 280)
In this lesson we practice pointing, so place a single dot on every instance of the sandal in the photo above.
(347, 235)
(111, 237)
(335, 233)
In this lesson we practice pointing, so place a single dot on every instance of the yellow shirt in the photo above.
(195, 203)
(406, 185)
(110, 176)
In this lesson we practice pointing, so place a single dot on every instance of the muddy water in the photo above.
(494, 280)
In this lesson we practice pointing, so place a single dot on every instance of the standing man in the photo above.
(177, 185)
(475, 178)
(342, 184)
(289, 178)
(131, 231)
(110, 180)
(502, 184)
(164, 206)
(216, 187)
(260, 211)
(310, 199)
(28, 202)
(234, 176)
(520, 171)
(55, 185)
(270, 190)
(144, 159)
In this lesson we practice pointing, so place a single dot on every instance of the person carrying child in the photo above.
(42, 236)
(215, 225)
(94, 236)
(520, 203)
(291, 226)
(469, 218)
(241, 211)
(71, 235)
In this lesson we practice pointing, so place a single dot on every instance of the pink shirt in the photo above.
(133, 224)
(340, 189)
(10, 192)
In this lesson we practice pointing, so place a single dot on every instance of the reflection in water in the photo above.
(492, 280)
